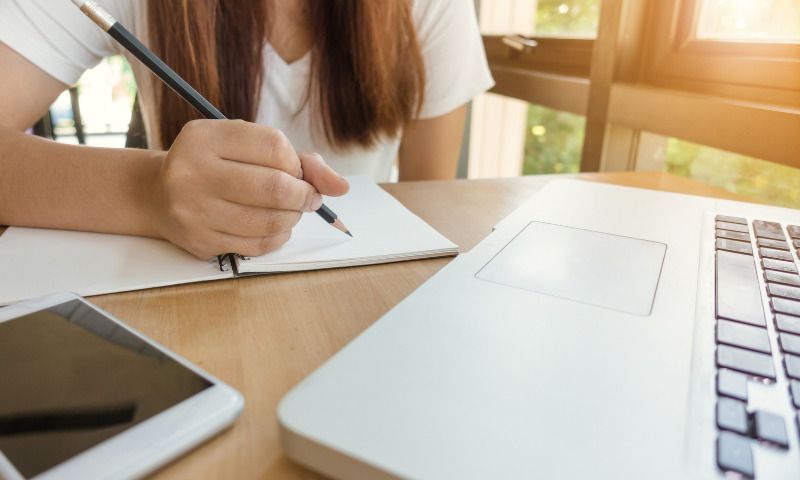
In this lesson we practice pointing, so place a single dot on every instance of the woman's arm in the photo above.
(224, 186)
(46, 184)
(430, 148)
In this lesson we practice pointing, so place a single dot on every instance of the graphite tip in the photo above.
(338, 225)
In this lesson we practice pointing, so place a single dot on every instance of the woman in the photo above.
(362, 83)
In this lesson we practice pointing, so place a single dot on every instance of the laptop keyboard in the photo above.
(744, 347)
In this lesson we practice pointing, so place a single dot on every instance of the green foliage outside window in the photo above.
(574, 18)
(770, 182)
(553, 141)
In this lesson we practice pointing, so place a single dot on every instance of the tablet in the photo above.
(84, 396)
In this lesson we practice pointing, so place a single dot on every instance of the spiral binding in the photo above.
(224, 263)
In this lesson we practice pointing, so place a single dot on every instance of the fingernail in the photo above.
(316, 202)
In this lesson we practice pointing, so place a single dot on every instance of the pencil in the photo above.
(107, 22)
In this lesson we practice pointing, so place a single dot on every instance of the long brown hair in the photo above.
(367, 73)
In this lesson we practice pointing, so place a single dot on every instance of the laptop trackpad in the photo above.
(596, 268)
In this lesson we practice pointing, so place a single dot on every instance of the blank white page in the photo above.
(37, 262)
(383, 231)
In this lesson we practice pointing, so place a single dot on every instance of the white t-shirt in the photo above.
(59, 39)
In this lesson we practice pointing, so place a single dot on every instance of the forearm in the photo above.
(47, 184)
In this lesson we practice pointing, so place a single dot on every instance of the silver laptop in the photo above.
(598, 332)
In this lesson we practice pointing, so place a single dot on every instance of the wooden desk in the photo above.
(262, 335)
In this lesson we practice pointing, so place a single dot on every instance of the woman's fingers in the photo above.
(264, 187)
(247, 221)
(323, 177)
(245, 142)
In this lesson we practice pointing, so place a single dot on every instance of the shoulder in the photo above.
(129, 13)
(452, 48)
(432, 16)
(57, 37)
(64, 12)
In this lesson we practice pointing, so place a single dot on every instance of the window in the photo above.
(743, 49)
(708, 89)
(540, 129)
(760, 20)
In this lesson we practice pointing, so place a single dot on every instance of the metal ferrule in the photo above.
(99, 16)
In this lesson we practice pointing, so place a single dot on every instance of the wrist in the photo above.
(152, 194)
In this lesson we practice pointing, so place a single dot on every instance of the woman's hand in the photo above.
(233, 186)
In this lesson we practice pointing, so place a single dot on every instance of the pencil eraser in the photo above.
(79, 3)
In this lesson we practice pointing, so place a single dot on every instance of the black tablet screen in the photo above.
(70, 379)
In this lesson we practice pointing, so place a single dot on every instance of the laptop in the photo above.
(598, 332)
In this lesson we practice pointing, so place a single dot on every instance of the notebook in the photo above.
(40, 261)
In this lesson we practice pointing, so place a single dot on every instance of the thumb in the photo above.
(324, 178)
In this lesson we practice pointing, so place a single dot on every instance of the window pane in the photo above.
(106, 95)
(756, 20)
(770, 182)
(63, 119)
(573, 18)
(559, 18)
(553, 141)
(509, 137)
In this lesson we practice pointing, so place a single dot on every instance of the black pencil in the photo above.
(174, 81)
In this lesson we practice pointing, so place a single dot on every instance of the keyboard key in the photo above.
(735, 246)
(796, 243)
(770, 428)
(784, 291)
(768, 230)
(776, 244)
(742, 237)
(792, 364)
(734, 454)
(745, 336)
(732, 384)
(788, 307)
(733, 227)
(785, 323)
(778, 265)
(789, 343)
(784, 278)
(776, 254)
(794, 388)
(738, 291)
(794, 231)
(745, 361)
(728, 219)
(732, 415)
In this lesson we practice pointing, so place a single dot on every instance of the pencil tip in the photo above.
(338, 225)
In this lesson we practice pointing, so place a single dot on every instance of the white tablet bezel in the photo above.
(150, 444)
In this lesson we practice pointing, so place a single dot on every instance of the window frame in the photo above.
(560, 55)
(555, 73)
(743, 69)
